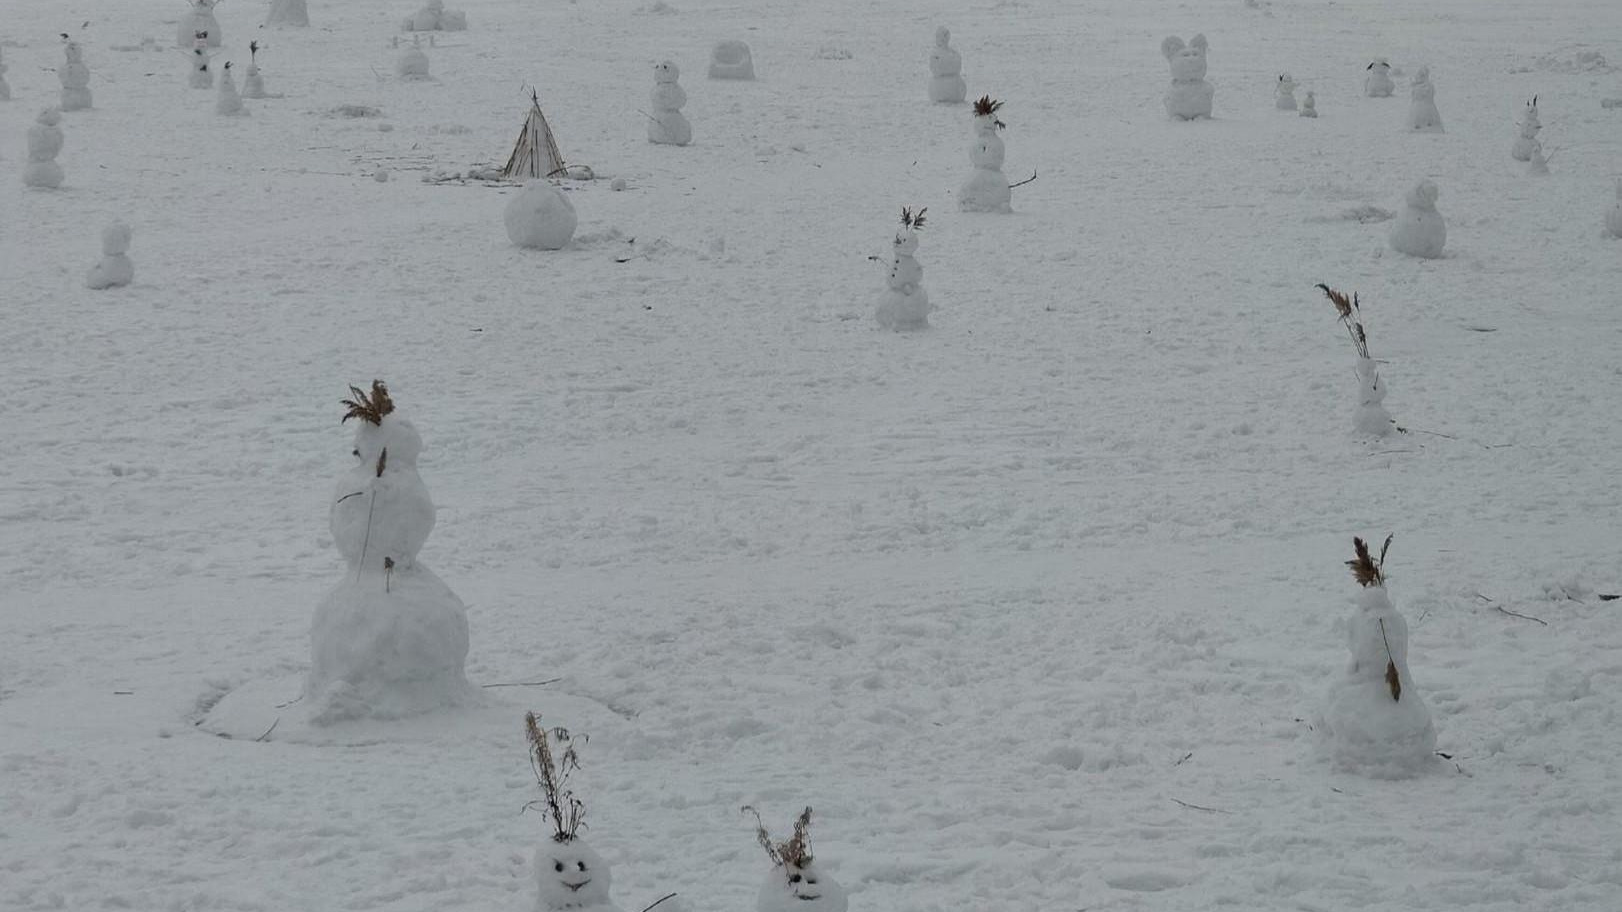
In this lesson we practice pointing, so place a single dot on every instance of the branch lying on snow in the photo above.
(659, 900)
(524, 683)
(1196, 807)
(1025, 181)
(1502, 610)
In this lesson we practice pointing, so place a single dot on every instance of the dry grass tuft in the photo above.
(1367, 569)
(372, 408)
(915, 222)
(552, 773)
(793, 854)
(986, 106)
(1351, 316)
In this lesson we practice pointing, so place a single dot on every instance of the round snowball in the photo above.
(540, 217)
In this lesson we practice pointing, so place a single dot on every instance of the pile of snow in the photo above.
(413, 63)
(1309, 105)
(731, 59)
(1613, 218)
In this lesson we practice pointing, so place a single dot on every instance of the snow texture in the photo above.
(1378, 83)
(731, 59)
(1362, 728)
(75, 78)
(946, 83)
(198, 20)
(1190, 96)
(295, 13)
(1419, 230)
(114, 269)
(540, 217)
(1423, 117)
(44, 144)
(666, 125)
(807, 888)
(571, 877)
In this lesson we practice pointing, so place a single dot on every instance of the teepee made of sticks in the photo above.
(536, 153)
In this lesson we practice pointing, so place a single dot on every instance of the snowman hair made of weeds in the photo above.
(569, 874)
(795, 883)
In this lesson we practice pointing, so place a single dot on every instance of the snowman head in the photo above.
(1286, 84)
(943, 37)
(1379, 65)
(1423, 195)
(571, 875)
(665, 72)
(49, 117)
(985, 115)
(115, 239)
(1187, 61)
(74, 52)
(1311, 100)
(383, 439)
(1422, 75)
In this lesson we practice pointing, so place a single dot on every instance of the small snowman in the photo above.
(946, 85)
(5, 87)
(435, 17)
(1309, 105)
(1371, 418)
(75, 78)
(1190, 95)
(540, 217)
(1284, 94)
(413, 64)
(253, 85)
(228, 102)
(1528, 138)
(44, 144)
(1613, 218)
(200, 18)
(667, 126)
(1539, 163)
(293, 13)
(569, 875)
(114, 269)
(1419, 230)
(1377, 83)
(796, 883)
(1422, 114)
(904, 304)
(390, 640)
(201, 77)
(1373, 720)
(987, 188)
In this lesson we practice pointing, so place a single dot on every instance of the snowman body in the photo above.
(1423, 117)
(413, 62)
(44, 144)
(540, 217)
(1378, 83)
(1371, 418)
(571, 877)
(294, 13)
(114, 269)
(391, 639)
(1309, 106)
(198, 20)
(1190, 95)
(946, 84)
(201, 76)
(228, 102)
(1538, 165)
(803, 888)
(1362, 727)
(75, 78)
(253, 84)
(667, 126)
(1613, 218)
(1284, 94)
(904, 304)
(1419, 230)
(987, 188)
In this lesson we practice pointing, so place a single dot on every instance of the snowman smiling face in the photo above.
(570, 875)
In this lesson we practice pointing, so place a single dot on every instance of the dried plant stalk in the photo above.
(552, 773)
(795, 852)
(1392, 679)
(369, 408)
(1351, 316)
(1368, 570)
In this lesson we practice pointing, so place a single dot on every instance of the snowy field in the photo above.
(1034, 607)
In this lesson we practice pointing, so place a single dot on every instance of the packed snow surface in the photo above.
(1034, 606)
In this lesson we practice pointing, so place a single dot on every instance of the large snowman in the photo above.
(1190, 95)
(796, 883)
(946, 85)
(569, 875)
(390, 640)
(987, 188)
(198, 20)
(1373, 720)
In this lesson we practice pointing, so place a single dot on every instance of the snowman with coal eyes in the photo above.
(569, 874)
(796, 883)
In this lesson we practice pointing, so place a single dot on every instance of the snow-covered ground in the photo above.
(1034, 607)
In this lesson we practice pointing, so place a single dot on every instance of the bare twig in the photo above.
(1184, 759)
(1502, 610)
(659, 900)
(1025, 181)
(272, 728)
(1196, 807)
(524, 683)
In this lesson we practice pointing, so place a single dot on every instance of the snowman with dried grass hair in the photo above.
(796, 883)
(569, 874)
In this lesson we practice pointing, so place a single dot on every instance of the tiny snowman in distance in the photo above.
(987, 188)
(1371, 418)
(201, 76)
(1378, 83)
(44, 144)
(5, 87)
(796, 883)
(1189, 97)
(569, 874)
(1423, 117)
(413, 64)
(1309, 105)
(75, 78)
(199, 19)
(1373, 720)
(946, 85)
(1613, 218)
(904, 304)
(667, 126)
(228, 102)
(115, 268)
(1419, 230)
(1528, 138)
(1284, 94)
(253, 85)
(1539, 163)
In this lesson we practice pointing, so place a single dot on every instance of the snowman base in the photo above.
(670, 128)
(1372, 421)
(1522, 150)
(43, 175)
(201, 79)
(113, 271)
(540, 217)
(387, 646)
(1190, 101)
(986, 191)
(253, 86)
(948, 89)
(1363, 730)
(75, 100)
(904, 311)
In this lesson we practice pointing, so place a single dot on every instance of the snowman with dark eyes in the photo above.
(569, 874)
(796, 883)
